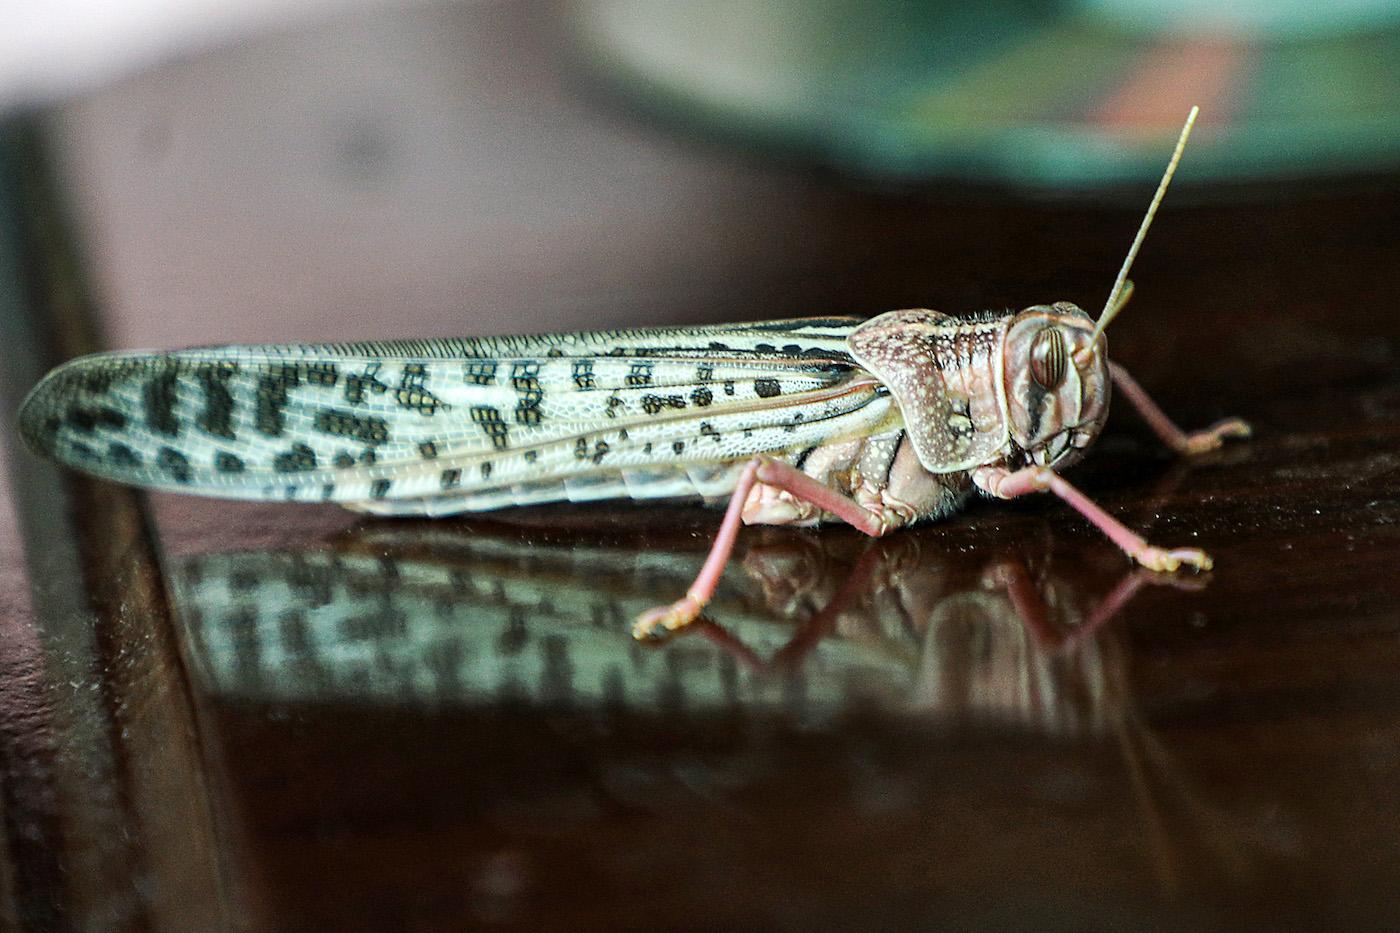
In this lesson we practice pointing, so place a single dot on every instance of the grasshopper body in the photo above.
(903, 406)
(877, 423)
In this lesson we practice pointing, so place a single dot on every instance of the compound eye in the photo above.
(1049, 357)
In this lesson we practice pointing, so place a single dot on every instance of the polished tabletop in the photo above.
(234, 716)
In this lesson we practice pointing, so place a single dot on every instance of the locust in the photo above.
(877, 423)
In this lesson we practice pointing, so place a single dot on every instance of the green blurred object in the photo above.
(1039, 94)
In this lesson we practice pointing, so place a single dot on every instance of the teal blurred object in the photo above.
(1040, 94)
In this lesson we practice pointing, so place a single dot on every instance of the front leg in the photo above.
(1006, 484)
(759, 472)
(1178, 440)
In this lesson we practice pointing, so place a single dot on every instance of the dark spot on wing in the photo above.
(640, 375)
(480, 372)
(524, 378)
(367, 429)
(158, 399)
(174, 463)
(325, 375)
(122, 455)
(226, 462)
(492, 424)
(272, 399)
(87, 420)
(217, 416)
(652, 404)
(298, 459)
(357, 385)
(413, 394)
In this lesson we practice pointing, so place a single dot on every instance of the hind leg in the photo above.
(762, 474)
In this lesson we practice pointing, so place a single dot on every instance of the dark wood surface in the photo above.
(229, 716)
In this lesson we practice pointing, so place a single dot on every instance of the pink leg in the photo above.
(771, 473)
(1178, 440)
(1030, 604)
(808, 636)
(1005, 484)
(1026, 599)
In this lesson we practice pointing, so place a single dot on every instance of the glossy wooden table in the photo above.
(242, 717)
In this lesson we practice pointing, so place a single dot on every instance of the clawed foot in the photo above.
(1212, 437)
(663, 621)
(1186, 583)
(1164, 561)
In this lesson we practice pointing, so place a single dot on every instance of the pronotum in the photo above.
(877, 423)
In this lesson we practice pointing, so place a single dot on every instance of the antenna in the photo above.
(1113, 305)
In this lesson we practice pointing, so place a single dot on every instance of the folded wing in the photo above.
(357, 422)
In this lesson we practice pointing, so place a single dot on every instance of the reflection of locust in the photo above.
(1013, 645)
(448, 615)
(485, 616)
(1000, 642)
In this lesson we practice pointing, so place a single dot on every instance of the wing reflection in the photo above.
(814, 626)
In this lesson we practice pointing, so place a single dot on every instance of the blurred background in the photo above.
(243, 716)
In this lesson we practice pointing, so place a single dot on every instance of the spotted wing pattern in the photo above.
(384, 421)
